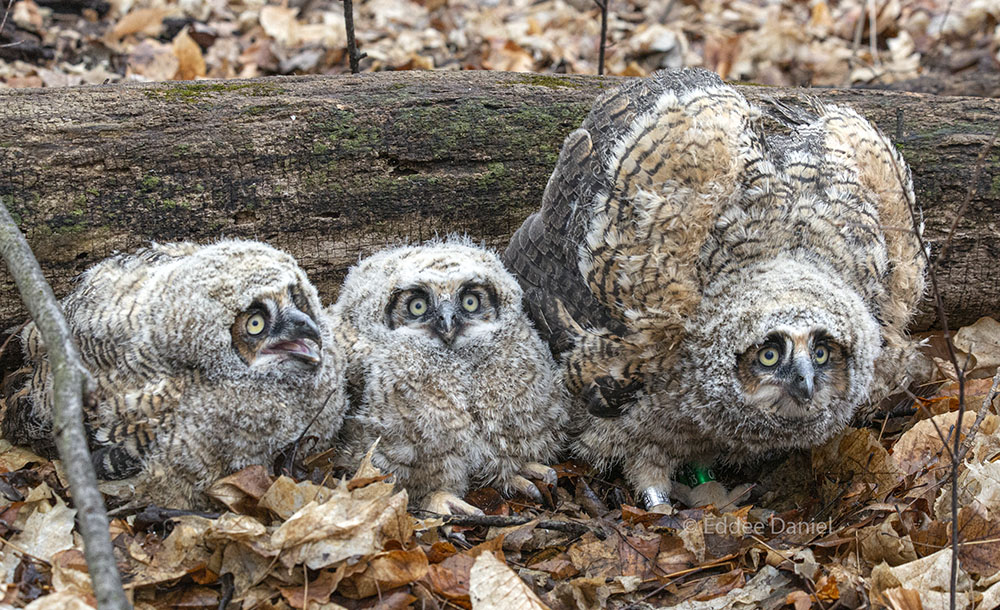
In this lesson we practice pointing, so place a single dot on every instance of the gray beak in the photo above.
(295, 334)
(445, 324)
(803, 378)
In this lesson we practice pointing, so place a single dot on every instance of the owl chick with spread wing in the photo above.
(717, 279)
(207, 359)
(447, 374)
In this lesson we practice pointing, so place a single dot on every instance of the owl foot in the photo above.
(657, 500)
(526, 488)
(447, 503)
(546, 474)
(711, 492)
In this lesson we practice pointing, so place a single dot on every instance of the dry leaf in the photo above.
(494, 586)
(279, 23)
(14, 458)
(146, 21)
(883, 543)
(191, 63)
(47, 530)
(318, 590)
(285, 497)
(62, 600)
(756, 590)
(800, 599)
(152, 60)
(931, 576)
(386, 571)
(182, 552)
(903, 599)
(979, 541)
(27, 16)
(855, 457)
(346, 525)
(982, 340)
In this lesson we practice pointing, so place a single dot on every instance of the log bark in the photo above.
(334, 168)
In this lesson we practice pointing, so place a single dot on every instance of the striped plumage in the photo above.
(446, 371)
(207, 359)
(683, 233)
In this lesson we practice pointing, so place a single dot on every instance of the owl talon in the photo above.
(446, 503)
(526, 488)
(535, 470)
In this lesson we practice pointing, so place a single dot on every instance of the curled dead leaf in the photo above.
(148, 21)
(191, 63)
(386, 571)
(494, 586)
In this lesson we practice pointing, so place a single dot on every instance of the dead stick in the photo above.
(69, 381)
(569, 527)
(603, 4)
(352, 46)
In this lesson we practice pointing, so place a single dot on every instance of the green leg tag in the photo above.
(693, 475)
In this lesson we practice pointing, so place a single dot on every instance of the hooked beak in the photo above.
(803, 380)
(295, 334)
(445, 324)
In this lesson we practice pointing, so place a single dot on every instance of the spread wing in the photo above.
(119, 414)
(610, 263)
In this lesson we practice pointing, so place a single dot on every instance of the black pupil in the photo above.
(470, 301)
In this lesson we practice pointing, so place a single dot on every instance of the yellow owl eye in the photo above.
(768, 356)
(470, 302)
(256, 323)
(417, 306)
(821, 354)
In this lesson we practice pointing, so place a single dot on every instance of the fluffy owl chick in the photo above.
(447, 372)
(207, 359)
(716, 280)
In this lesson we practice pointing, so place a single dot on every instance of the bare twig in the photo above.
(603, 5)
(569, 527)
(981, 415)
(70, 379)
(352, 45)
(873, 32)
(6, 12)
(956, 452)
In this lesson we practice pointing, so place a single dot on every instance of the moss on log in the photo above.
(333, 168)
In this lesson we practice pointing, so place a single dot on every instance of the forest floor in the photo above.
(865, 519)
(778, 42)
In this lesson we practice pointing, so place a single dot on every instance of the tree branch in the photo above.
(352, 45)
(603, 5)
(568, 527)
(70, 379)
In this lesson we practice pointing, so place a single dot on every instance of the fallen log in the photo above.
(333, 168)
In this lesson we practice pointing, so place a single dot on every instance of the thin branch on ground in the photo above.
(352, 46)
(70, 380)
(568, 527)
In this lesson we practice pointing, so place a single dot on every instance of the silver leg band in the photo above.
(653, 496)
